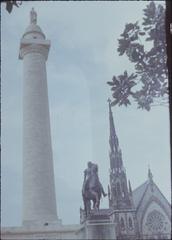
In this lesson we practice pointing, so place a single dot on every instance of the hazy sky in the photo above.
(82, 59)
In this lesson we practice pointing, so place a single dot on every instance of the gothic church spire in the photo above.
(120, 197)
(115, 151)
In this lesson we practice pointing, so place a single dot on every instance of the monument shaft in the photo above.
(39, 202)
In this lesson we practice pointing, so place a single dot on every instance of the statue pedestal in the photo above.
(99, 226)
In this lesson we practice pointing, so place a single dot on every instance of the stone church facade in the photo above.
(140, 214)
(143, 213)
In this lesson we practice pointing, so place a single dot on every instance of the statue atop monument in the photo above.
(92, 188)
(33, 16)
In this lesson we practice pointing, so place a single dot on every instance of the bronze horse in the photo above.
(92, 190)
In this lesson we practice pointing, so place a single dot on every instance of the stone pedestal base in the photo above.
(42, 232)
(99, 230)
(98, 225)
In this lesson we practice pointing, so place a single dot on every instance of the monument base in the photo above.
(98, 225)
(42, 232)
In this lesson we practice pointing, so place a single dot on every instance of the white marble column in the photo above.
(39, 201)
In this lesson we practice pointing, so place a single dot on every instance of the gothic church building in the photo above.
(140, 214)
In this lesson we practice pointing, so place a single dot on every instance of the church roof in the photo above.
(138, 193)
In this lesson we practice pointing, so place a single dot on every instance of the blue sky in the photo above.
(82, 59)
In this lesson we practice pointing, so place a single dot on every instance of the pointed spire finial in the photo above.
(33, 16)
(150, 175)
(110, 104)
(129, 185)
(109, 192)
(109, 101)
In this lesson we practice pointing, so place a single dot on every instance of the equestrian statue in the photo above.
(92, 189)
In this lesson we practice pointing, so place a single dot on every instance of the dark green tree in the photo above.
(144, 44)
(11, 4)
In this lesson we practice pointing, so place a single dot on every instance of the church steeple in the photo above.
(120, 196)
(115, 152)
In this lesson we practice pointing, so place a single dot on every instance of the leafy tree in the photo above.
(10, 4)
(148, 85)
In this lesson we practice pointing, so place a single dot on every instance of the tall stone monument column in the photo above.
(39, 201)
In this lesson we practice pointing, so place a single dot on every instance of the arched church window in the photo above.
(118, 188)
(155, 221)
(130, 223)
(122, 223)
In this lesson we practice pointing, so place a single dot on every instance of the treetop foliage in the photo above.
(10, 4)
(148, 85)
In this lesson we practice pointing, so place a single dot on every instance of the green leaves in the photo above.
(150, 14)
(143, 100)
(121, 88)
(10, 4)
(149, 84)
(129, 35)
(123, 46)
(136, 52)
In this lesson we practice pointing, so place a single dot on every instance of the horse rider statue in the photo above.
(92, 188)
